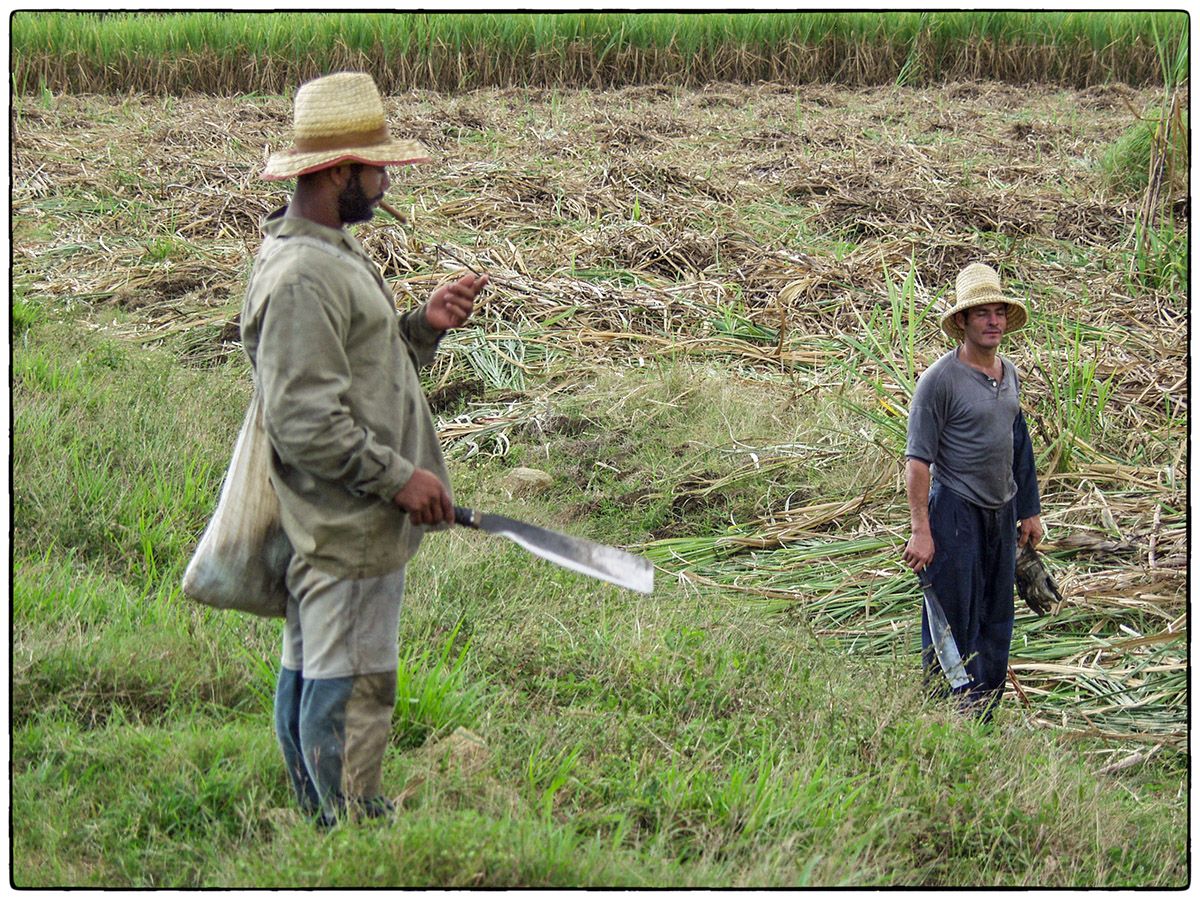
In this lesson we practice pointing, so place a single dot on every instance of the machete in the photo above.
(596, 560)
(943, 640)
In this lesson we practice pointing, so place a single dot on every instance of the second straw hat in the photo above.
(976, 285)
(339, 118)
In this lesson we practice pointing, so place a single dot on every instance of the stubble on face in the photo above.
(984, 326)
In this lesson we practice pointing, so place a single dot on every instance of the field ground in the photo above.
(706, 315)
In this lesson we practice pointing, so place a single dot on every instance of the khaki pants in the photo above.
(337, 687)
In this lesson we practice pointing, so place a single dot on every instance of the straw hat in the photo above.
(977, 285)
(339, 118)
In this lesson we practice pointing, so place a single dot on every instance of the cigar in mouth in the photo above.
(392, 211)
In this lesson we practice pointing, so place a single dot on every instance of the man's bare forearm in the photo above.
(919, 551)
(916, 482)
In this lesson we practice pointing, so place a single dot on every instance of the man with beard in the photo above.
(357, 465)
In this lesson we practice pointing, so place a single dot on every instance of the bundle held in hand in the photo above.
(242, 558)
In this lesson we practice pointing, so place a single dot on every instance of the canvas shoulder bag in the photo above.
(242, 558)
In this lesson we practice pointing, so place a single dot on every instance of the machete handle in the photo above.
(466, 517)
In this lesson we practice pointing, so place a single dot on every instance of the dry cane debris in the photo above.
(760, 225)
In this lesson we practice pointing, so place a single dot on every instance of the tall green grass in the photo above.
(1152, 159)
(1127, 161)
(1073, 404)
(248, 52)
(882, 357)
(1160, 256)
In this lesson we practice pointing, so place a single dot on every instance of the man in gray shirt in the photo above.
(972, 488)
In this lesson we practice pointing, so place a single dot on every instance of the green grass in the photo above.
(1160, 260)
(674, 740)
(135, 495)
(1126, 162)
(296, 34)
(881, 358)
(1074, 406)
(436, 690)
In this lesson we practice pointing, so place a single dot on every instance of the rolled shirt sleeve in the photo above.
(422, 339)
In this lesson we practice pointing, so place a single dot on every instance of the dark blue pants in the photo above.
(973, 570)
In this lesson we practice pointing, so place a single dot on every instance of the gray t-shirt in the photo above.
(961, 423)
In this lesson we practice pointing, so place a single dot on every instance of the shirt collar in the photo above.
(1005, 365)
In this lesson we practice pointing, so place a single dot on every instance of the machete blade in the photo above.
(595, 560)
(944, 645)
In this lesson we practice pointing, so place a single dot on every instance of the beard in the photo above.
(353, 204)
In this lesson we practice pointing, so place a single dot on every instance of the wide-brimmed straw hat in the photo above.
(339, 118)
(976, 285)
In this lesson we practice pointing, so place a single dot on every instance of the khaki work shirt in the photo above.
(343, 406)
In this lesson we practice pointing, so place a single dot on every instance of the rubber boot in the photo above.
(344, 729)
(288, 691)
(368, 727)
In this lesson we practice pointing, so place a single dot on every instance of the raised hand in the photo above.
(452, 304)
